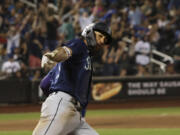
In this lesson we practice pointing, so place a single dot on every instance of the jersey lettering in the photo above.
(88, 64)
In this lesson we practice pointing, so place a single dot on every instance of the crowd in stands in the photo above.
(138, 27)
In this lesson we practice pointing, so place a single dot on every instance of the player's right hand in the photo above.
(51, 55)
(46, 62)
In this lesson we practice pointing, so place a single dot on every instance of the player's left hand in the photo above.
(83, 119)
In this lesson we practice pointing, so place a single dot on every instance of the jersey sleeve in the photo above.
(46, 82)
(76, 46)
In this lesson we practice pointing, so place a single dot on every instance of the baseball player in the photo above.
(67, 84)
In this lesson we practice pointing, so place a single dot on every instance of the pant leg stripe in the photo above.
(53, 117)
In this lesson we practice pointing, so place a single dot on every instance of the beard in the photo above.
(94, 51)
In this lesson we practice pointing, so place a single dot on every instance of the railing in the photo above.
(162, 63)
(159, 63)
(165, 56)
(29, 3)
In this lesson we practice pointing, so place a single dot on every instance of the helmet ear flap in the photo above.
(90, 38)
(88, 31)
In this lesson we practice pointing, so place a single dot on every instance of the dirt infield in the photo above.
(107, 122)
(161, 121)
(124, 104)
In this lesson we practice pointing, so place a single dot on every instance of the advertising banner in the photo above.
(153, 88)
(105, 91)
(116, 88)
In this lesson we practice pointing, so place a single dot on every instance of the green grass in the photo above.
(15, 132)
(107, 131)
(97, 113)
(102, 131)
(132, 112)
(139, 131)
(19, 116)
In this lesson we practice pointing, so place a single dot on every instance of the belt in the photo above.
(70, 98)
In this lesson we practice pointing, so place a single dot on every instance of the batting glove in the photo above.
(45, 61)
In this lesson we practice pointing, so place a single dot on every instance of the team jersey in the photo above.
(73, 76)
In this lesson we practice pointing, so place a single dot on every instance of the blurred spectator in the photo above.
(1, 17)
(82, 15)
(176, 56)
(23, 52)
(107, 16)
(10, 67)
(13, 39)
(147, 8)
(117, 28)
(142, 70)
(98, 9)
(85, 19)
(36, 75)
(17, 54)
(134, 15)
(154, 35)
(66, 7)
(35, 49)
(24, 72)
(166, 40)
(52, 24)
(131, 50)
(108, 61)
(66, 31)
(142, 49)
(162, 21)
(121, 59)
(174, 4)
(159, 7)
(77, 28)
(14, 35)
(2, 55)
(27, 33)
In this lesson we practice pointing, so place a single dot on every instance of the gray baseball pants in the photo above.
(60, 116)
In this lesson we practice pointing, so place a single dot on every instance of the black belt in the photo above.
(75, 102)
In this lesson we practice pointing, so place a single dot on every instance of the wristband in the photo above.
(67, 50)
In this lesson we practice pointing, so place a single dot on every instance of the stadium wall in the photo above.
(104, 89)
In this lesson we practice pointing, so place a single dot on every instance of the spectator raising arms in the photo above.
(27, 32)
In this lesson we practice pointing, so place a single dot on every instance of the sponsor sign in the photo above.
(126, 88)
(105, 91)
(153, 88)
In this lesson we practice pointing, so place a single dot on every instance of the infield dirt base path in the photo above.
(160, 121)
(107, 122)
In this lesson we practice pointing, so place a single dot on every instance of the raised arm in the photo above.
(50, 59)
(59, 54)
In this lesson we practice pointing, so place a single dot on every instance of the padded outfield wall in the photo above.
(104, 89)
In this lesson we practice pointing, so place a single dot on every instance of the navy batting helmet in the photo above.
(88, 33)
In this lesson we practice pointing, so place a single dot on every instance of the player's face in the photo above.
(100, 39)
